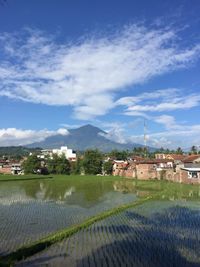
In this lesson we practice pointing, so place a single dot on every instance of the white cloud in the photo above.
(185, 137)
(158, 101)
(86, 75)
(62, 131)
(168, 121)
(167, 93)
(15, 137)
(115, 134)
(173, 136)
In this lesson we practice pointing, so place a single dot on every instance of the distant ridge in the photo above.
(82, 138)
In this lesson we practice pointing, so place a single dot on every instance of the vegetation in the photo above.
(108, 167)
(77, 167)
(119, 155)
(194, 150)
(42, 244)
(11, 178)
(58, 165)
(179, 151)
(92, 161)
(31, 164)
(17, 152)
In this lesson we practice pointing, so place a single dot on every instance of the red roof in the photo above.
(153, 161)
(137, 158)
(191, 158)
(177, 156)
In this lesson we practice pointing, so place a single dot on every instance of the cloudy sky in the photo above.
(109, 63)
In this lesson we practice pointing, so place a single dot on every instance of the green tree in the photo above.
(108, 167)
(179, 151)
(58, 165)
(119, 155)
(31, 164)
(92, 162)
(194, 150)
(51, 164)
(62, 165)
(77, 166)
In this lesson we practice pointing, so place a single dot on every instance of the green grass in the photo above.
(12, 178)
(31, 249)
(56, 176)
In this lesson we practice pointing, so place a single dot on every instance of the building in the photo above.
(5, 169)
(192, 159)
(152, 169)
(142, 169)
(64, 150)
(70, 154)
(45, 153)
(16, 169)
(10, 167)
(119, 166)
(174, 157)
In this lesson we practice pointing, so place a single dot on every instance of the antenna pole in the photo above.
(145, 139)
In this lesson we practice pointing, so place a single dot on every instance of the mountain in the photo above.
(83, 138)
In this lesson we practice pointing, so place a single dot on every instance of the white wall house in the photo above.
(64, 150)
(69, 153)
(16, 169)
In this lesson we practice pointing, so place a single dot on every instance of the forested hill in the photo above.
(16, 151)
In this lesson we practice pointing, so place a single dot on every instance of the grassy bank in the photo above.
(31, 249)
(13, 178)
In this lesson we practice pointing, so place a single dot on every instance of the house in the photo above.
(16, 169)
(160, 156)
(142, 169)
(190, 174)
(152, 169)
(192, 159)
(45, 153)
(119, 167)
(64, 150)
(5, 169)
(10, 167)
(70, 154)
(136, 158)
(174, 157)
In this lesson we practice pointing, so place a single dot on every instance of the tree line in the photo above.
(91, 161)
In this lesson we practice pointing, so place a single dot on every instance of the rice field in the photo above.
(160, 232)
(31, 210)
(143, 236)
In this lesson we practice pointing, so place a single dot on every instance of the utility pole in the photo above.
(145, 139)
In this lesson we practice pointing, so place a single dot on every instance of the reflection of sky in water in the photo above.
(32, 209)
(158, 233)
(21, 192)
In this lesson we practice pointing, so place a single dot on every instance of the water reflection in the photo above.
(77, 191)
(171, 191)
(168, 237)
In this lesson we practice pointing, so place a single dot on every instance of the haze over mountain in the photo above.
(83, 138)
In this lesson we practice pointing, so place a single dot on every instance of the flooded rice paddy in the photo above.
(165, 232)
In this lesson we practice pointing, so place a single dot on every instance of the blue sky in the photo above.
(111, 63)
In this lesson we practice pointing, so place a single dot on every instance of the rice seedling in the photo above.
(109, 226)
(42, 244)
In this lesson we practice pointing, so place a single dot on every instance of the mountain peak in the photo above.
(89, 127)
(82, 138)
